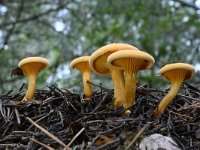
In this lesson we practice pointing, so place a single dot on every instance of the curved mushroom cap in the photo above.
(98, 59)
(33, 64)
(141, 60)
(169, 71)
(80, 63)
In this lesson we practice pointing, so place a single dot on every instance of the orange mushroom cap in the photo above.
(176, 73)
(131, 62)
(98, 64)
(98, 59)
(169, 71)
(31, 66)
(81, 63)
(139, 60)
(34, 64)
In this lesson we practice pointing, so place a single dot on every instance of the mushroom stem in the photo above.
(174, 89)
(118, 82)
(31, 87)
(87, 86)
(130, 89)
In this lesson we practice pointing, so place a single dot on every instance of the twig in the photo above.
(40, 143)
(183, 116)
(110, 143)
(188, 4)
(36, 16)
(97, 85)
(43, 117)
(9, 33)
(192, 106)
(17, 116)
(191, 98)
(48, 133)
(94, 139)
(137, 136)
(11, 145)
(75, 137)
(101, 102)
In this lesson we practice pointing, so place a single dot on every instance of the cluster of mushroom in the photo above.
(121, 61)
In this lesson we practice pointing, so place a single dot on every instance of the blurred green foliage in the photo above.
(62, 30)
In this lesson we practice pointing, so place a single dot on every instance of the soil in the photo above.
(58, 118)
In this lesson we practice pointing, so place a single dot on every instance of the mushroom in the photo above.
(131, 62)
(31, 66)
(176, 73)
(99, 65)
(82, 64)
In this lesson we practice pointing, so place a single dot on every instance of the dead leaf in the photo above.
(103, 140)
(17, 71)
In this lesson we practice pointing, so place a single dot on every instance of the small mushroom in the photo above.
(131, 62)
(82, 64)
(99, 65)
(176, 73)
(31, 66)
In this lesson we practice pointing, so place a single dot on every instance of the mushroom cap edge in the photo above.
(110, 48)
(169, 67)
(132, 54)
(79, 60)
(34, 60)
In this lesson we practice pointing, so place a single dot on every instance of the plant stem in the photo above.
(174, 89)
(130, 89)
(118, 81)
(31, 87)
(87, 86)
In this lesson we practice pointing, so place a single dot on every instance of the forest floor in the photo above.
(61, 119)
